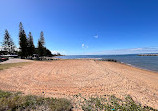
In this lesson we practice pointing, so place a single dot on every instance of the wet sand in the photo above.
(65, 78)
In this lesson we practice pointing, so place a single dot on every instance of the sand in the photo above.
(65, 78)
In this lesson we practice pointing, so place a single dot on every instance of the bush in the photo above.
(110, 103)
(16, 101)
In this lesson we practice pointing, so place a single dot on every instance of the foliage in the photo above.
(26, 45)
(22, 42)
(110, 103)
(42, 38)
(42, 50)
(47, 52)
(8, 44)
(18, 102)
(41, 42)
(31, 47)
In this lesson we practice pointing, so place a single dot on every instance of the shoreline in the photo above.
(15, 60)
(112, 61)
(139, 67)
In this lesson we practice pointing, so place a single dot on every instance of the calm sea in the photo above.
(144, 62)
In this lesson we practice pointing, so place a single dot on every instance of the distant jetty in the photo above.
(148, 55)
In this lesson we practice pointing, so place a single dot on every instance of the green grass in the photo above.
(9, 65)
(18, 102)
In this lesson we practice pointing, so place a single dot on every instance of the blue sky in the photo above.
(85, 26)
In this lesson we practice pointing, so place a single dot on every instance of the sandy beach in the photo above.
(65, 78)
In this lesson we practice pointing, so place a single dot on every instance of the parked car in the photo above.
(3, 58)
(35, 57)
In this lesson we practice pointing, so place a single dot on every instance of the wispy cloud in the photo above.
(84, 46)
(127, 51)
(96, 36)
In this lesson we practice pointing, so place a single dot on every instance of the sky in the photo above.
(79, 27)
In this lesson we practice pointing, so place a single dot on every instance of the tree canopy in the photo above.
(26, 44)
(31, 47)
(22, 42)
(8, 44)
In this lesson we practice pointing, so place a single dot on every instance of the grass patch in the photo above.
(17, 102)
(110, 103)
(9, 65)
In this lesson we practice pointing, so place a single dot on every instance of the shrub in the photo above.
(16, 101)
(111, 103)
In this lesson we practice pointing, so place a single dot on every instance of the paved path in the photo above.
(15, 61)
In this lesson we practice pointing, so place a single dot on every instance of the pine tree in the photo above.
(12, 46)
(31, 47)
(42, 38)
(22, 41)
(48, 52)
(8, 44)
(40, 49)
(41, 43)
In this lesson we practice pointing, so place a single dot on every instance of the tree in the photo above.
(22, 41)
(42, 38)
(8, 44)
(31, 47)
(41, 43)
(40, 49)
(12, 46)
(48, 52)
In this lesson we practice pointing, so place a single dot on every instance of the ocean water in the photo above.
(143, 62)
